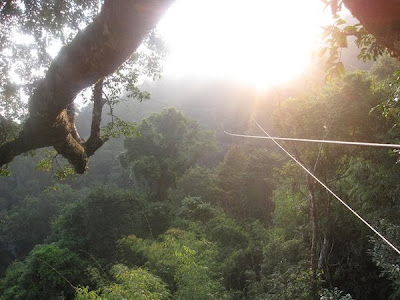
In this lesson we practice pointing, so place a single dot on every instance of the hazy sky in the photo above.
(259, 42)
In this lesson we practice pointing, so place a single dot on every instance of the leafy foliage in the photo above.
(48, 272)
(131, 284)
(185, 262)
(97, 222)
(235, 227)
(168, 145)
(336, 38)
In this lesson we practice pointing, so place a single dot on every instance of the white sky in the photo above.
(254, 42)
(257, 42)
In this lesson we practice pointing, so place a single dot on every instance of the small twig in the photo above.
(58, 164)
(95, 260)
(61, 275)
(148, 224)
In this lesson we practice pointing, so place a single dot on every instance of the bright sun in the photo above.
(256, 42)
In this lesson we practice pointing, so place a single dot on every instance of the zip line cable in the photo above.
(316, 179)
(391, 146)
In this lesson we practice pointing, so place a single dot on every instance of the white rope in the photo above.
(319, 181)
(391, 146)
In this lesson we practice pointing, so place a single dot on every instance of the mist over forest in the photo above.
(172, 206)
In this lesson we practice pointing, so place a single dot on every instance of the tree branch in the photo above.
(95, 141)
(71, 119)
(94, 53)
(380, 18)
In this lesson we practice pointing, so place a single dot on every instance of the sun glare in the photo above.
(256, 42)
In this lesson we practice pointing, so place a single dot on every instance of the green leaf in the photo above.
(4, 171)
(323, 51)
(340, 68)
(340, 22)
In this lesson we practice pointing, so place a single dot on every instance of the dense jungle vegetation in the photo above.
(181, 211)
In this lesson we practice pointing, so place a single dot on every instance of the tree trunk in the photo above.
(314, 238)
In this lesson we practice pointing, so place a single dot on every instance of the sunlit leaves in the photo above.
(4, 171)
(132, 284)
(46, 163)
(336, 38)
(185, 261)
(334, 294)
(64, 172)
(370, 49)
(51, 162)
(119, 127)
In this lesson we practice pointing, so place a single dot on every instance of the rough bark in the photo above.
(381, 18)
(94, 53)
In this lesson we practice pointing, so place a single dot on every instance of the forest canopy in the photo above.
(183, 219)
(171, 207)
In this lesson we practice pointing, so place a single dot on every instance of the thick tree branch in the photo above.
(95, 52)
(380, 18)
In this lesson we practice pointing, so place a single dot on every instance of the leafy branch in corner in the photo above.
(336, 36)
